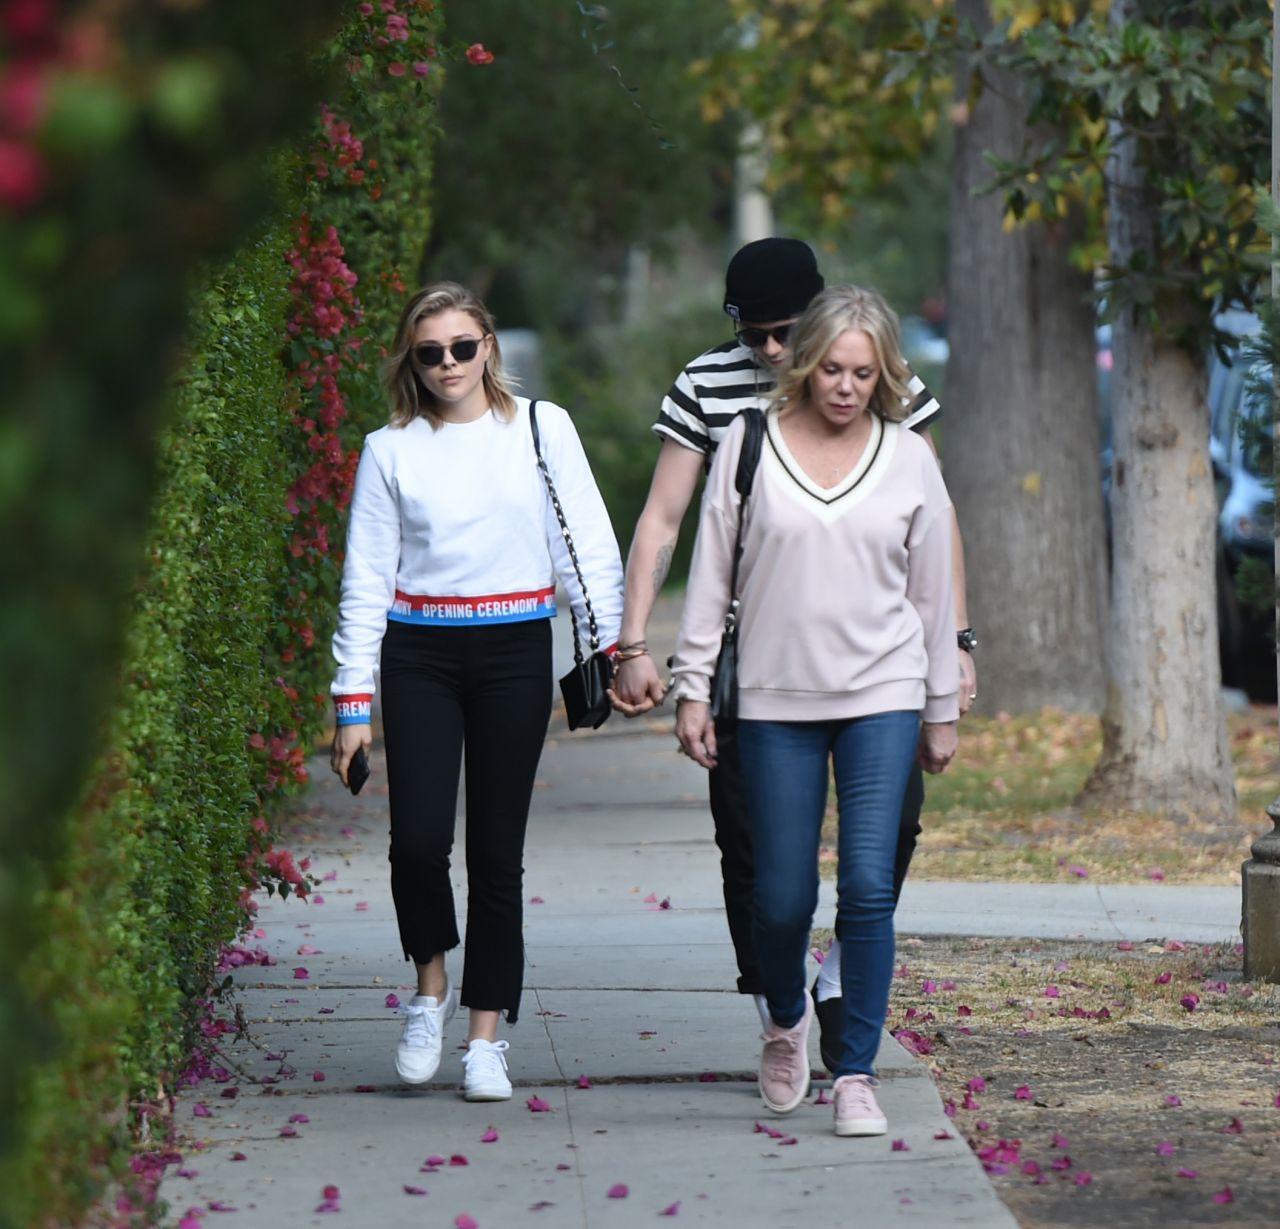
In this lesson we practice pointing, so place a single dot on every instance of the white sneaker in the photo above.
(418, 1054)
(484, 1071)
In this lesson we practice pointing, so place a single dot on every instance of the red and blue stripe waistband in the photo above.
(456, 611)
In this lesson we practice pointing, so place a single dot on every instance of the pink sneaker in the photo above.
(784, 1063)
(857, 1112)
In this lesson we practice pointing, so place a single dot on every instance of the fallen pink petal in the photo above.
(490, 1136)
(392, 1001)
(928, 987)
(414, 1190)
(239, 1156)
(665, 903)
(900, 1145)
(977, 1084)
(458, 1159)
(822, 1098)
(1059, 1141)
(216, 1205)
(1184, 1172)
(299, 1118)
(651, 899)
(318, 1077)
(1190, 1001)
(1022, 1093)
(618, 1191)
(584, 1081)
(1051, 992)
(943, 1135)
(200, 1110)
(300, 974)
(536, 900)
(1084, 1178)
(432, 1161)
(1166, 1148)
(672, 1209)
(1175, 945)
(1163, 979)
(1173, 1099)
(1124, 946)
(362, 906)
(288, 1133)
(463, 1221)
(1226, 1195)
(1234, 1127)
(538, 1106)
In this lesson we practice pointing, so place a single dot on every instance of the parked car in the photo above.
(1239, 430)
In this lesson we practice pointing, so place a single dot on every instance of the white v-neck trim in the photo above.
(870, 465)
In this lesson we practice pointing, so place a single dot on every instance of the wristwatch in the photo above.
(967, 639)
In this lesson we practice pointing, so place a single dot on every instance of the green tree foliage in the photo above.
(583, 137)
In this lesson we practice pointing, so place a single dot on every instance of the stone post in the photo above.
(1261, 877)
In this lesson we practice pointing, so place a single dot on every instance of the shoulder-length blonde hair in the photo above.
(832, 312)
(409, 396)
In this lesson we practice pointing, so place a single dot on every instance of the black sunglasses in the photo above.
(431, 354)
(755, 338)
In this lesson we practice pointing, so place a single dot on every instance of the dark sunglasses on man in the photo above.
(431, 354)
(754, 338)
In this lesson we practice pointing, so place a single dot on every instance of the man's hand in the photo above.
(637, 687)
(938, 742)
(347, 740)
(968, 681)
(696, 732)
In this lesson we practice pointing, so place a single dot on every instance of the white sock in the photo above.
(762, 1006)
(829, 974)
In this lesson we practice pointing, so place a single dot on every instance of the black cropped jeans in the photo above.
(487, 689)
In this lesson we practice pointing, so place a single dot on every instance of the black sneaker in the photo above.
(830, 1013)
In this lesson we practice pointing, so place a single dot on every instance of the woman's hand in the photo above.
(347, 740)
(637, 688)
(938, 742)
(696, 732)
(968, 682)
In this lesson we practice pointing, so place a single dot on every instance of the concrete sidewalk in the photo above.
(623, 991)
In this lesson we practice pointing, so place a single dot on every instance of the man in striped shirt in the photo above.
(768, 285)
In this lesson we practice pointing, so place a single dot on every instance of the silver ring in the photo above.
(973, 695)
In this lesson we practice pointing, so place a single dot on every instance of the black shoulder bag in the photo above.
(585, 688)
(724, 681)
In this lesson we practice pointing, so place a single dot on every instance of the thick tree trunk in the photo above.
(1021, 431)
(1164, 730)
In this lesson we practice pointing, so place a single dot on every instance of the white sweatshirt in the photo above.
(453, 527)
(846, 603)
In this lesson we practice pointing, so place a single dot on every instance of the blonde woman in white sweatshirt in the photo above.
(847, 654)
(453, 550)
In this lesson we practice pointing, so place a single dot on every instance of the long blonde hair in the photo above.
(408, 396)
(832, 312)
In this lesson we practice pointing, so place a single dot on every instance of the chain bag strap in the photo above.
(585, 687)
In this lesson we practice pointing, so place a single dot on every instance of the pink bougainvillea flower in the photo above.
(1184, 1172)
(982, 1125)
(1175, 945)
(538, 1106)
(318, 1076)
(1084, 1178)
(1163, 978)
(421, 68)
(1226, 1195)
(238, 1156)
(964, 1011)
(414, 1190)
(822, 1098)
(651, 899)
(1124, 946)
(969, 1103)
(463, 1221)
(977, 1084)
(1031, 1168)
(900, 1145)
(618, 1191)
(1166, 1148)
(477, 53)
(563, 1165)
(362, 906)
(458, 1159)
(1276, 1102)
(665, 903)
(1059, 1141)
(288, 1133)
(943, 1135)
(949, 984)
(301, 974)
(299, 1118)
(490, 1136)
(216, 1205)
(672, 1209)
(317, 900)
(433, 1162)
(1190, 1001)
(584, 1081)
(326, 1011)
(396, 69)
(200, 1110)
(1157, 875)
(1061, 1162)
(1234, 1127)
(392, 1001)
(1022, 1093)
(191, 1220)
(541, 1205)
(1078, 871)
(1051, 992)
(772, 1132)
(928, 987)
(306, 949)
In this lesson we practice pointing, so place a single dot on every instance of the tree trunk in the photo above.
(1021, 430)
(1164, 730)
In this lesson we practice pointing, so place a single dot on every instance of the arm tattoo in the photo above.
(662, 566)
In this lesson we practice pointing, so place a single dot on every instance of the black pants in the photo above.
(488, 688)
(737, 865)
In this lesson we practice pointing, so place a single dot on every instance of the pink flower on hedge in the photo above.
(478, 53)
(421, 68)
(1190, 1001)
(21, 175)
(396, 69)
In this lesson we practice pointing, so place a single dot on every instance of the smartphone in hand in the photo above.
(357, 771)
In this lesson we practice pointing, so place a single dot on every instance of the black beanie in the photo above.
(771, 279)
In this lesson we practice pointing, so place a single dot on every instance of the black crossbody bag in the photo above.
(585, 688)
(724, 680)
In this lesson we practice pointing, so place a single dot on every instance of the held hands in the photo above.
(696, 732)
(636, 686)
(938, 742)
(347, 740)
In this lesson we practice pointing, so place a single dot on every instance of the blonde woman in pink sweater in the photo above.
(847, 654)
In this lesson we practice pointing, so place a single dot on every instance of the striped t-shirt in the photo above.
(719, 384)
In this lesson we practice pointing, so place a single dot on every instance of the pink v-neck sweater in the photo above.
(846, 603)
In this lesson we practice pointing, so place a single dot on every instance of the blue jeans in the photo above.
(784, 765)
